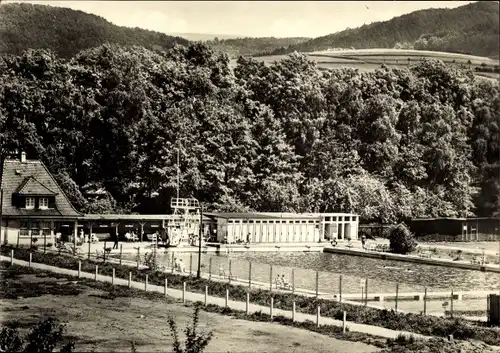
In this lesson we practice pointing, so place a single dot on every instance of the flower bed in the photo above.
(426, 325)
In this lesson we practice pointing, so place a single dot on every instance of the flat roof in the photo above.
(131, 217)
(273, 215)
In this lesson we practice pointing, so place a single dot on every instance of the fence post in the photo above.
(271, 308)
(210, 269)
(366, 292)
(190, 264)
(104, 252)
(425, 301)
(206, 295)
(138, 256)
(121, 252)
(130, 279)
(318, 315)
(183, 292)
(229, 273)
(343, 322)
(293, 281)
(96, 270)
(248, 303)
(227, 297)
(293, 311)
(340, 288)
(146, 284)
(12, 256)
(89, 247)
(31, 259)
(317, 284)
(113, 277)
(79, 269)
(250, 275)
(271, 278)
(397, 293)
(451, 304)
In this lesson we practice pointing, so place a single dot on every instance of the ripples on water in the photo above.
(382, 275)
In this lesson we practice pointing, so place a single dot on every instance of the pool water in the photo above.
(382, 275)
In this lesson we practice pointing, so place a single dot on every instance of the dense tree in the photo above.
(388, 145)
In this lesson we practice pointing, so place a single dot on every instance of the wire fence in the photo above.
(373, 292)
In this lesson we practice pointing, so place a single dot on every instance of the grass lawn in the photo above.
(103, 320)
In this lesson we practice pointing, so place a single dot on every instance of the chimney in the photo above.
(23, 157)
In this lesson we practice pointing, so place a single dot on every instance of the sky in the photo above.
(248, 18)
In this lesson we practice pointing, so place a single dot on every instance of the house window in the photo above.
(45, 226)
(30, 203)
(35, 229)
(23, 229)
(44, 203)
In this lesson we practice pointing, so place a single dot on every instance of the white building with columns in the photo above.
(273, 227)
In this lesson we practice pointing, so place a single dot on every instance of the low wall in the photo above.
(414, 259)
(458, 238)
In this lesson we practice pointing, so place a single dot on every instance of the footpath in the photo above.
(221, 302)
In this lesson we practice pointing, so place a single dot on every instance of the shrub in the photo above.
(401, 240)
(195, 342)
(44, 337)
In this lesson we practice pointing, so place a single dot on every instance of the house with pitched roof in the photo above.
(33, 205)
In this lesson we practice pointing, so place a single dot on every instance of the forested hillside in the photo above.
(67, 31)
(388, 144)
(469, 29)
(235, 47)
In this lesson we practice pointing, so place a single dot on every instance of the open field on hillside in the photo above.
(370, 59)
(100, 320)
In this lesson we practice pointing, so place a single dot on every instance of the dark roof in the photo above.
(16, 173)
(31, 186)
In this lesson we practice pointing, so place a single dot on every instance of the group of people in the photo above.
(281, 282)
(179, 265)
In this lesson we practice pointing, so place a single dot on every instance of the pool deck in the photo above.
(131, 247)
(412, 258)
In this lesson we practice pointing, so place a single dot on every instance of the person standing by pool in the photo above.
(115, 245)
(363, 241)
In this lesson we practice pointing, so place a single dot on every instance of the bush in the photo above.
(195, 342)
(44, 337)
(401, 240)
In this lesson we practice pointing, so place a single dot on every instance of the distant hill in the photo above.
(200, 37)
(469, 29)
(67, 31)
(251, 46)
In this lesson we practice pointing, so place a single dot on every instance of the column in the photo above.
(52, 235)
(142, 231)
(323, 228)
(75, 232)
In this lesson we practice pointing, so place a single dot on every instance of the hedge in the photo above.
(416, 323)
